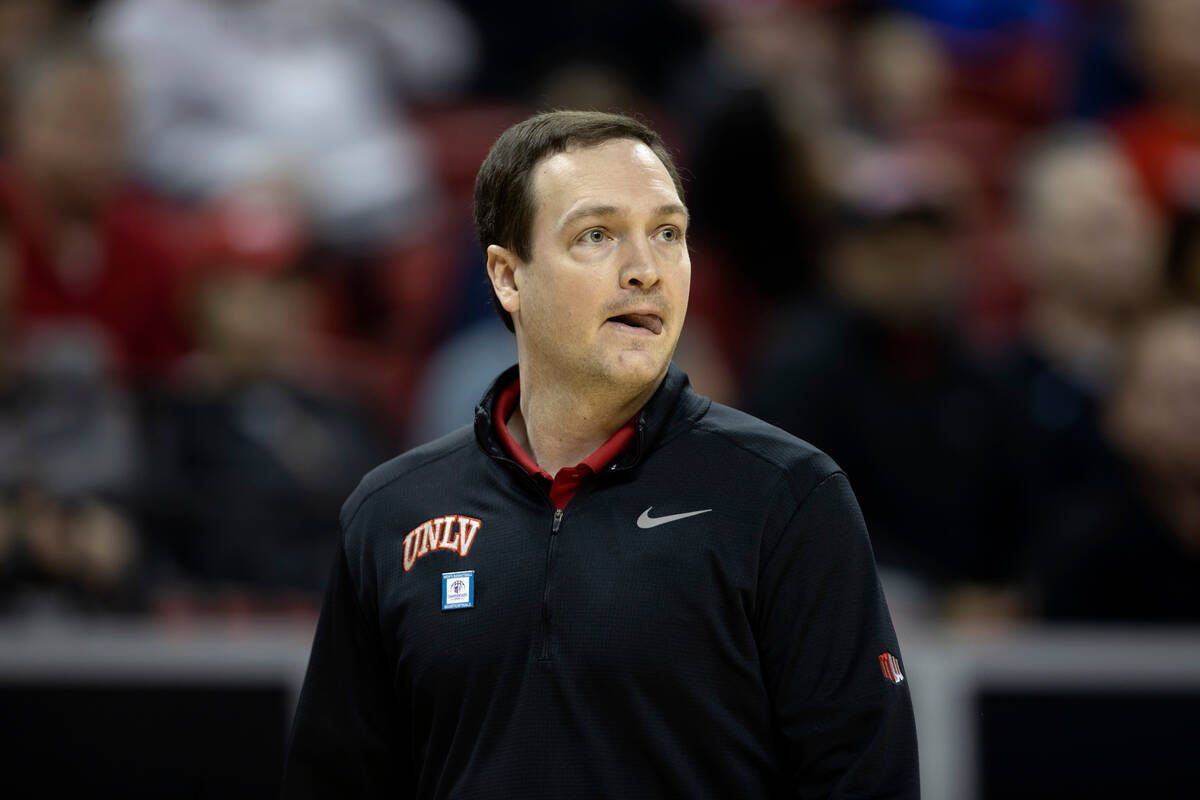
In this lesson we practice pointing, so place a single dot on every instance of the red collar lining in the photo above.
(568, 479)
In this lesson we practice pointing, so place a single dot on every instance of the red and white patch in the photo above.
(452, 532)
(890, 667)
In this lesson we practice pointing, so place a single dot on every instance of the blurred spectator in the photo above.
(93, 251)
(1009, 54)
(761, 110)
(1093, 266)
(1162, 136)
(67, 462)
(457, 375)
(251, 453)
(311, 93)
(880, 381)
(969, 81)
(1133, 555)
(900, 77)
(1008, 72)
(23, 24)
(523, 42)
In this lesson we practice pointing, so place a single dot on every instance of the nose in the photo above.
(640, 269)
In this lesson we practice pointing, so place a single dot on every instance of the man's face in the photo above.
(602, 298)
(1157, 407)
(1093, 232)
(1154, 416)
(71, 133)
(900, 271)
(1166, 32)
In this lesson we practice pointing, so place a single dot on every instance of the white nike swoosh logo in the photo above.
(647, 521)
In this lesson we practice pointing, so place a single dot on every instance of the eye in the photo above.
(670, 234)
(593, 236)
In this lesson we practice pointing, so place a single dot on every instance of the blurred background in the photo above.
(954, 243)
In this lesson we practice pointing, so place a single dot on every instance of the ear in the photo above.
(502, 266)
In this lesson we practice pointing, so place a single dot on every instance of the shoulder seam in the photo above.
(800, 506)
(782, 467)
(350, 520)
(741, 446)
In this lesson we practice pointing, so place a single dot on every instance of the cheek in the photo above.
(676, 269)
(685, 276)
(557, 301)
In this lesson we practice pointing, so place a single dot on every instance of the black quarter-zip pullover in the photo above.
(704, 621)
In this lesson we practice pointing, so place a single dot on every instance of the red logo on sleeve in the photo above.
(890, 667)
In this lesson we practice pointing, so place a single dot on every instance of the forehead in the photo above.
(624, 173)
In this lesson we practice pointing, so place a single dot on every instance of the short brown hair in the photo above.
(503, 201)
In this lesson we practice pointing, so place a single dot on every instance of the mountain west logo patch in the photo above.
(458, 590)
(453, 532)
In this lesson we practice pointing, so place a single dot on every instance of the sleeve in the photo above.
(830, 659)
(349, 736)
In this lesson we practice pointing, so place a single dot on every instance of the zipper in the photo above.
(542, 640)
(639, 442)
(542, 647)
(544, 650)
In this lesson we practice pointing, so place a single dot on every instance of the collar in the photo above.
(673, 406)
(604, 455)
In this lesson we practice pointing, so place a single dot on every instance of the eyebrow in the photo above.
(673, 208)
(608, 211)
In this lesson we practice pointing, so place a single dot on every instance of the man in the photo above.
(1092, 250)
(1133, 554)
(688, 607)
(95, 254)
(304, 96)
(1161, 134)
(878, 375)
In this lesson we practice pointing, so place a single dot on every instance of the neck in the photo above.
(560, 427)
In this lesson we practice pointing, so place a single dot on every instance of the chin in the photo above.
(637, 368)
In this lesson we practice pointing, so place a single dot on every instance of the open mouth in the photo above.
(651, 323)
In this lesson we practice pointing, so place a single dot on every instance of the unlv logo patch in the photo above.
(890, 667)
(453, 532)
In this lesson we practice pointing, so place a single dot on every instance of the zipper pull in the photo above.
(558, 515)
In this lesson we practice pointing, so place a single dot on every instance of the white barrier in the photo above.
(946, 668)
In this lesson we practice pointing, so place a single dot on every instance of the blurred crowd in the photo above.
(956, 245)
